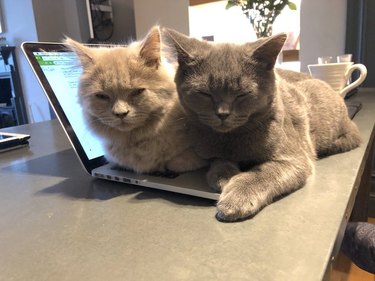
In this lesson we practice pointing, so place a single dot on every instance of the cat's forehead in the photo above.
(223, 62)
(121, 69)
(116, 62)
(222, 67)
(114, 57)
(224, 57)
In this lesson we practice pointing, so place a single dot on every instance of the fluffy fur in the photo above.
(260, 127)
(130, 101)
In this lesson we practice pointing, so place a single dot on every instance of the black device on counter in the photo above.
(10, 141)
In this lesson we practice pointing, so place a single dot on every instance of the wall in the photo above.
(19, 27)
(38, 20)
(49, 18)
(123, 19)
(169, 13)
(355, 28)
(55, 19)
(323, 25)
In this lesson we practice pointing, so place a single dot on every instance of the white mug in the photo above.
(338, 74)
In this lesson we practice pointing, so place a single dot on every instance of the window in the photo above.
(211, 21)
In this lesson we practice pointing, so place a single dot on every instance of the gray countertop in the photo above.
(58, 223)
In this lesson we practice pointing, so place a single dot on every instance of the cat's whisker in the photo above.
(205, 118)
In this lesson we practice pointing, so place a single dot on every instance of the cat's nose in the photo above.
(121, 115)
(223, 111)
(223, 115)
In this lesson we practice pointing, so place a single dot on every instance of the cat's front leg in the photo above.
(248, 192)
(220, 172)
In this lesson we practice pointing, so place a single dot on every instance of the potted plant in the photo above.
(262, 13)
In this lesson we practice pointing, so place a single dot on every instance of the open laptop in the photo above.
(58, 71)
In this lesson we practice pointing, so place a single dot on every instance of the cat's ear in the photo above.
(83, 52)
(182, 44)
(150, 48)
(268, 50)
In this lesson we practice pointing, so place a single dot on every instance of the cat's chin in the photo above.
(124, 128)
(118, 126)
(219, 127)
(223, 129)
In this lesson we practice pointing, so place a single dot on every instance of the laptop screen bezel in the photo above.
(29, 48)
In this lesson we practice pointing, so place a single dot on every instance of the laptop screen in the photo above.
(62, 72)
(58, 71)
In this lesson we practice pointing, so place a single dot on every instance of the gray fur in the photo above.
(261, 128)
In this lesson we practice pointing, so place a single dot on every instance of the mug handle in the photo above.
(362, 76)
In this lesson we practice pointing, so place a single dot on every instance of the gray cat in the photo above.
(262, 128)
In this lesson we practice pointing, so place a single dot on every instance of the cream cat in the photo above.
(130, 101)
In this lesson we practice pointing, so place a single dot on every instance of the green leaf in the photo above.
(292, 6)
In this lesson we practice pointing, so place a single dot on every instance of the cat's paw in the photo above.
(230, 209)
(236, 203)
(220, 172)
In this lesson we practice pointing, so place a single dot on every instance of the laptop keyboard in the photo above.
(165, 174)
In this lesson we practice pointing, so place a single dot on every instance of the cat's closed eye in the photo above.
(205, 94)
(137, 92)
(243, 95)
(102, 96)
